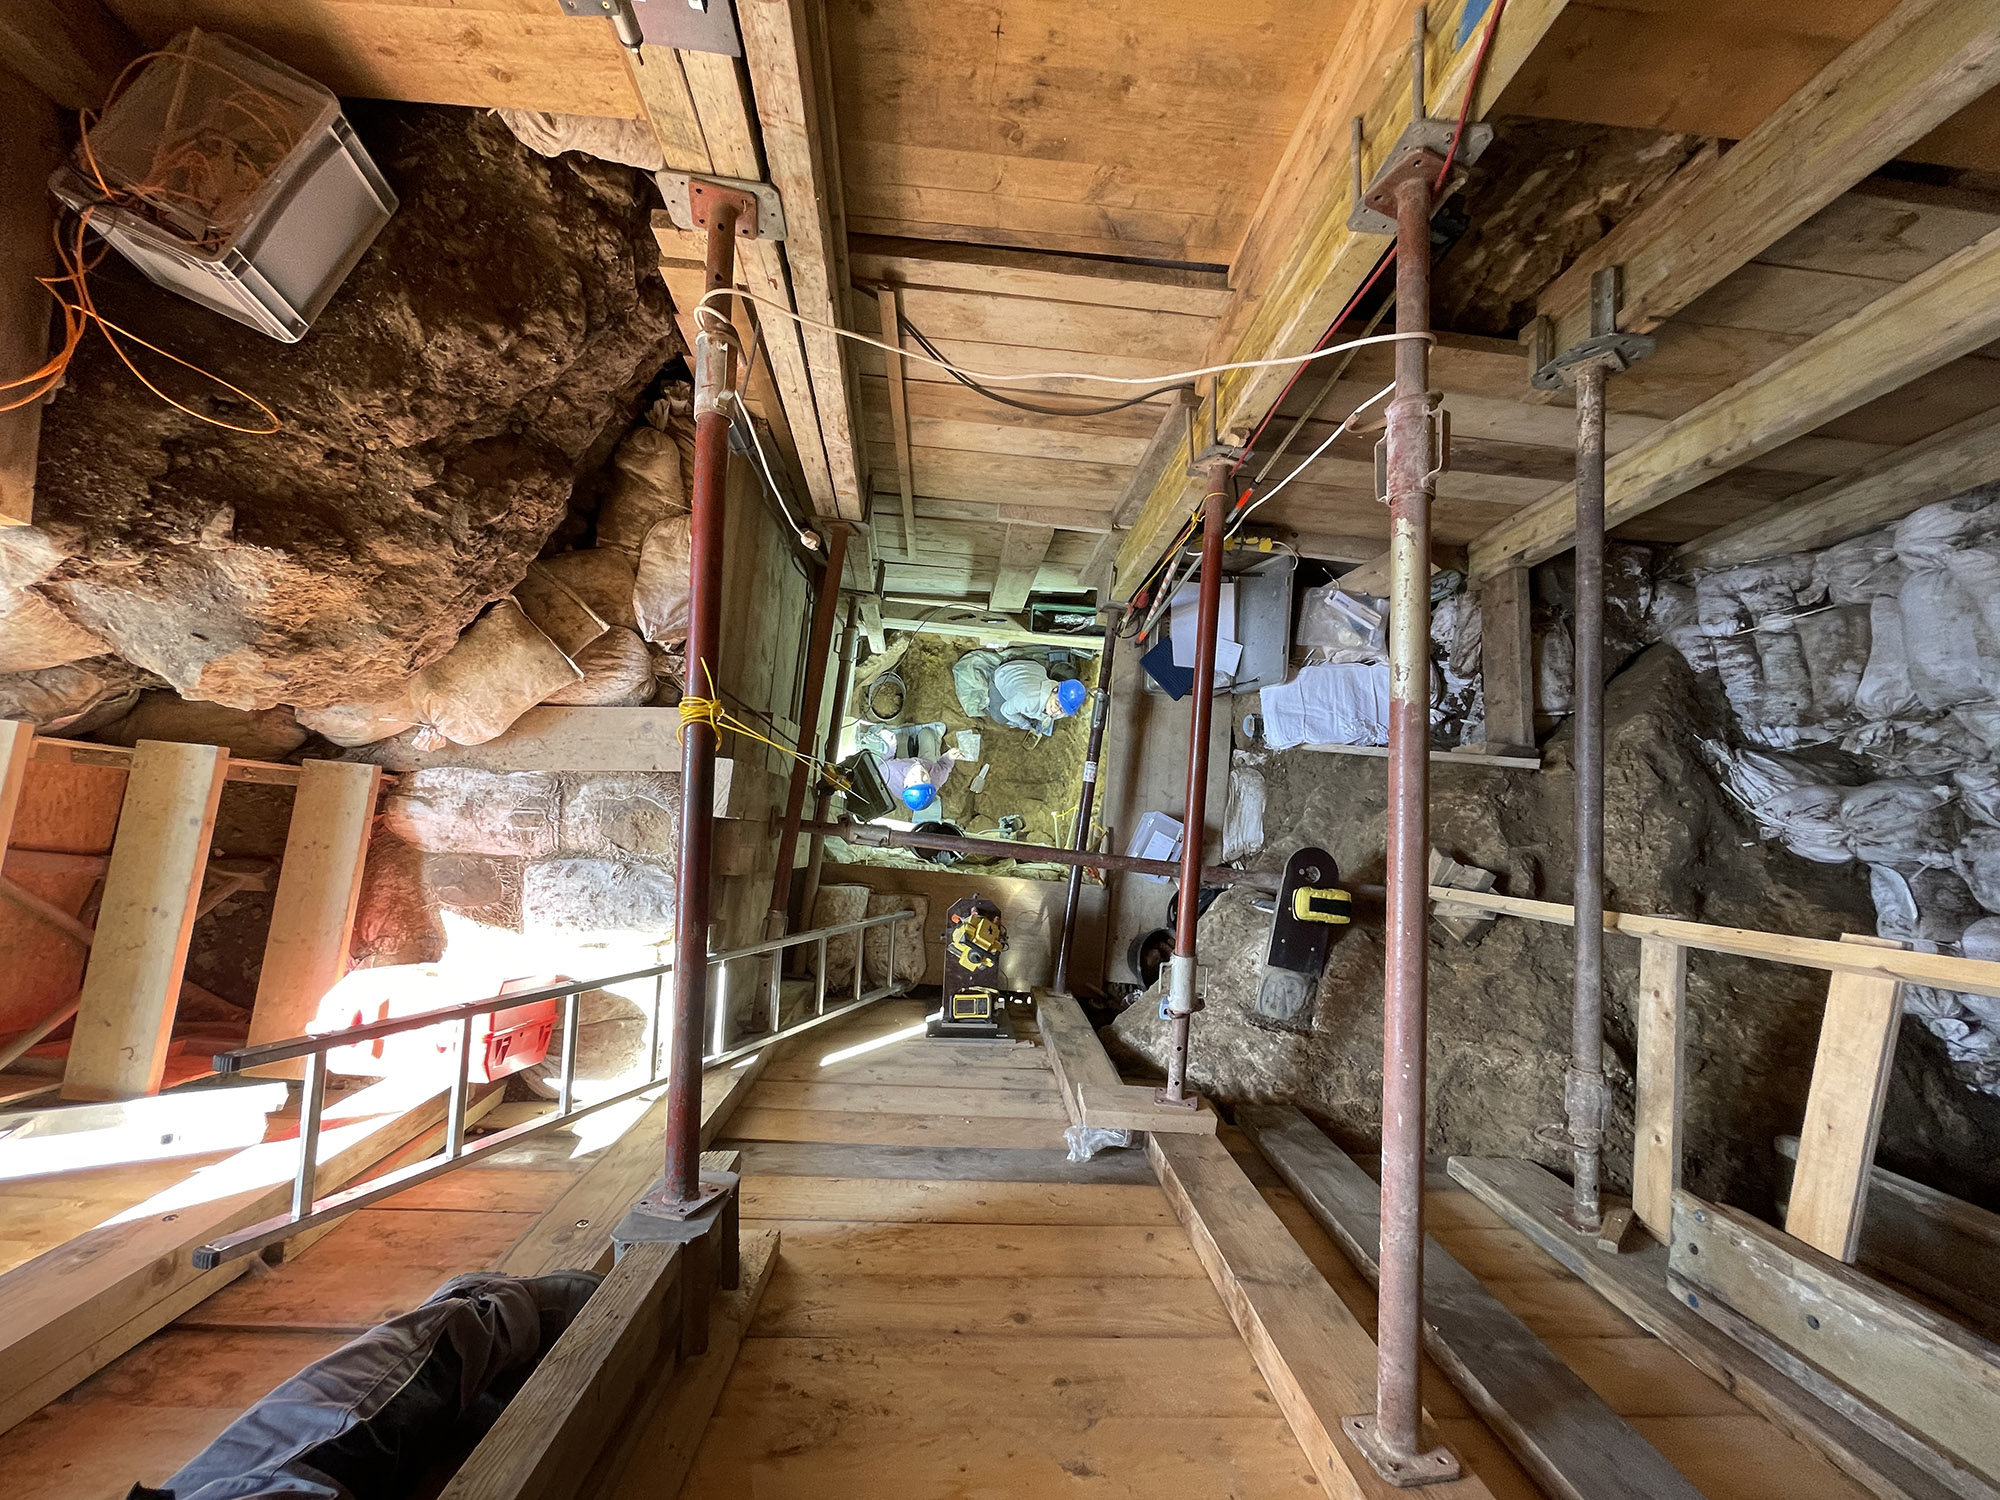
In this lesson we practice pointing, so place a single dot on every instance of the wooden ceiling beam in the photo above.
(1949, 311)
(1965, 454)
(72, 50)
(785, 83)
(899, 413)
(1911, 71)
(1316, 262)
(1022, 552)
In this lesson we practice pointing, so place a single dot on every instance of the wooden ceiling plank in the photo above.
(1051, 329)
(1022, 551)
(485, 53)
(72, 50)
(1321, 263)
(1949, 311)
(1911, 71)
(899, 413)
(776, 36)
(1039, 274)
(1963, 455)
(717, 91)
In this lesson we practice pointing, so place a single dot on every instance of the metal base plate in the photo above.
(657, 1217)
(1186, 1101)
(686, 194)
(1434, 1467)
(1615, 351)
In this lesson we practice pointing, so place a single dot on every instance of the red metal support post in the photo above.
(1181, 967)
(712, 378)
(819, 647)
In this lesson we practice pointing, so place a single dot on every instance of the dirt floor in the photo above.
(1500, 1006)
(1033, 778)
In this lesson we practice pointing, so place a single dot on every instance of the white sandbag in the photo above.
(501, 667)
(1884, 691)
(1733, 599)
(1332, 704)
(909, 932)
(1243, 820)
(834, 905)
(1981, 940)
(1922, 748)
(1926, 536)
(1788, 800)
(1898, 822)
(252, 734)
(558, 611)
(1765, 676)
(1955, 660)
(1860, 570)
(1945, 907)
(34, 634)
(1896, 914)
(71, 699)
(1977, 860)
(1671, 617)
(1458, 630)
(629, 141)
(1979, 793)
(356, 724)
(617, 673)
(601, 577)
(1555, 669)
(1834, 642)
(660, 592)
(458, 810)
(647, 486)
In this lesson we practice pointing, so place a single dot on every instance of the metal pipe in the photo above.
(1397, 1429)
(1086, 859)
(712, 377)
(1181, 967)
(850, 650)
(1584, 1095)
(1087, 800)
(818, 648)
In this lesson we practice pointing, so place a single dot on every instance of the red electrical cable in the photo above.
(1347, 311)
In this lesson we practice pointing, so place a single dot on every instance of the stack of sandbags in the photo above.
(910, 945)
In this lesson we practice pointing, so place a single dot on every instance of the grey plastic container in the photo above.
(1263, 618)
(307, 226)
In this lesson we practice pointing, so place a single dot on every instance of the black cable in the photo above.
(1044, 411)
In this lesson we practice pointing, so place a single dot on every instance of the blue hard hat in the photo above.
(919, 795)
(1071, 696)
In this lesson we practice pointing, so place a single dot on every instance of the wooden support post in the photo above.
(126, 1012)
(17, 748)
(27, 251)
(1857, 1053)
(1661, 1020)
(312, 914)
(1022, 550)
(1507, 661)
(899, 417)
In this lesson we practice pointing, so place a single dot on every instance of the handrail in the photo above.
(1977, 976)
(307, 1210)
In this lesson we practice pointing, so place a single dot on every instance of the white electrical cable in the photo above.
(1346, 425)
(811, 539)
(1172, 584)
(1172, 377)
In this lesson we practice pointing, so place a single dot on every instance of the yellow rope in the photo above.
(714, 713)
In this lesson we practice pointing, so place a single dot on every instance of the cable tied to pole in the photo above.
(713, 712)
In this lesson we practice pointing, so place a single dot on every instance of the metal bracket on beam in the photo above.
(691, 198)
(1606, 345)
(684, 25)
(1422, 141)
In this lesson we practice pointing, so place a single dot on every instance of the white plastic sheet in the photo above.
(1334, 704)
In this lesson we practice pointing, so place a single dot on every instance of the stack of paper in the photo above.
(1184, 629)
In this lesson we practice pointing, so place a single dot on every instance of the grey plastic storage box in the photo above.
(235, 181)
(1263, 624)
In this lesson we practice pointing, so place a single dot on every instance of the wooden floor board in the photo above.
(826, 1248)
(892, 1307)
(754, 1122)
(1744, 1457)
(1028, 1103)
(952, 1202)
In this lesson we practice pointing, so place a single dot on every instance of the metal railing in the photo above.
(307, 1210)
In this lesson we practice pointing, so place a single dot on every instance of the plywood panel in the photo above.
(1070, 128)
(520, 54)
